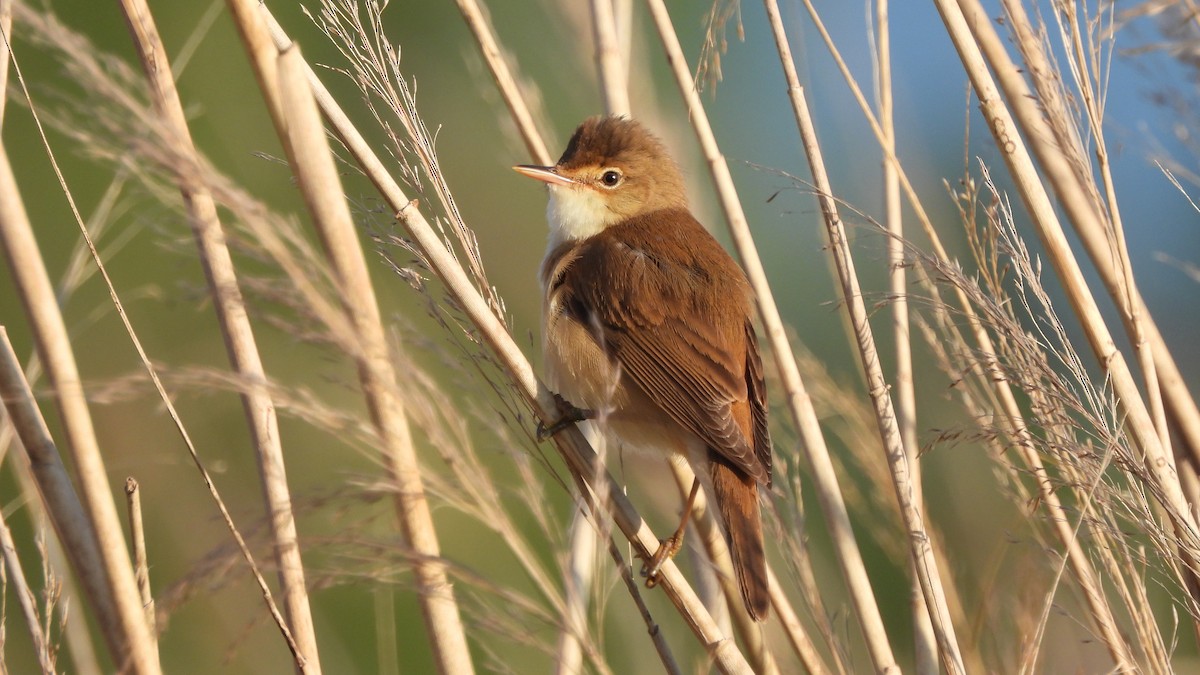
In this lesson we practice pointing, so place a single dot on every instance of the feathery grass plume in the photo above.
(1090, 461)
(373, 64)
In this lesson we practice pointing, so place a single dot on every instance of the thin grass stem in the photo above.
(924, 641)
(312, 161)
(610, 66)
(67, 516)
(240, 343)
(885, 415)
(1160, 465)
(128, 636)
(25, 600)
(833, 505)
(137, 537)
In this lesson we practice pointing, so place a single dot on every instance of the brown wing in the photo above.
(674, 312)
(757, 395)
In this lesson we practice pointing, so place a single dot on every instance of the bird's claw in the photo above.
(569, 415)
(667, 548)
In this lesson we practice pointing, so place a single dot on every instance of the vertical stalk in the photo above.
(129, 638)
(141, 564)
(509, 91)
(1160, 465)
(833, 505)
(299, 125)
(885, 415)
(925, 643)
(240, 344)
(990, 371)
(610, 66)
(25, 599)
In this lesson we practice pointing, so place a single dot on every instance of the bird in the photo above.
(647, 326)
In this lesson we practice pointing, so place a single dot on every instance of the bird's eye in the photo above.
(611, 178)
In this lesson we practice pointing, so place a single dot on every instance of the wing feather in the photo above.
(679, 327)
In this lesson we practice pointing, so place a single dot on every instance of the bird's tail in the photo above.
(737, 500)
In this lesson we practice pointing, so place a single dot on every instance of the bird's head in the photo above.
(613, 169)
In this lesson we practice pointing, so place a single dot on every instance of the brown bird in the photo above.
(647, 325)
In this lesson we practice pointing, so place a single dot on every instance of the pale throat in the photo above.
(576, 213)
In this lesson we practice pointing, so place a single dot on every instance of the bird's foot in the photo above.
(667, 548)
(568, 415)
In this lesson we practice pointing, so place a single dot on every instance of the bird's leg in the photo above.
(568, 415)
(667, 548)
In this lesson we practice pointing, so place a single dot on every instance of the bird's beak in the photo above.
(546, 174)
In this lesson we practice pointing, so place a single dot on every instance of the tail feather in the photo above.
(736, 495)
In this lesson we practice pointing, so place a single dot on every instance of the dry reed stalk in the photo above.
(25, 598)
(239, 336)
(611, 68)
(141, 564)
(833, 506)
(76, 632)
(925, 643)
(574, 449)
(509, 90)
(57, 491)
(50, 25)
(577, 585)
(299, 125)
(1103, 237)
(128, 636)
(240, 343)
(1160, 466)
(623, 19)
(885, 415)
(5, 49)
(721, 563)
(1011, 417)
(797, 635)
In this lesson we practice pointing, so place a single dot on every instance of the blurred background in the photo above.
(222, 627)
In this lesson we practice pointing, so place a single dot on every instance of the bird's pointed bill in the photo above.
(546, 174)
